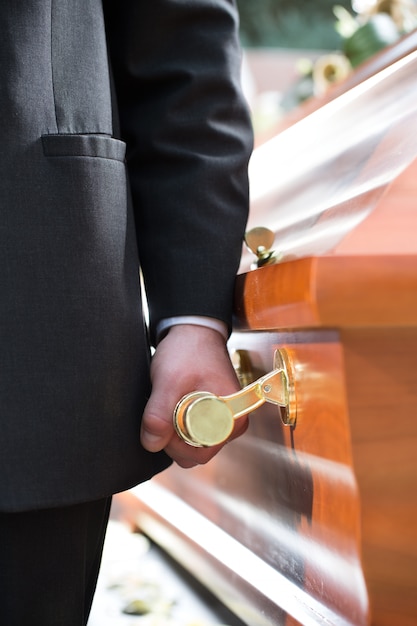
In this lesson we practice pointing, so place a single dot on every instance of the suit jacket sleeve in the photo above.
(176, 66)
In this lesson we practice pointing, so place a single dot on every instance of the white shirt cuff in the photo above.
(196, 320)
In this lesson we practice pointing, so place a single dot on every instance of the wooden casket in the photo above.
(316, 522)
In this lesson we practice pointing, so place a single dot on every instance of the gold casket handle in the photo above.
(203, 419)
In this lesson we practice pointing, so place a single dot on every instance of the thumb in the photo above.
(157, 424)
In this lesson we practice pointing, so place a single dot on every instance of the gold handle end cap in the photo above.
(203, 420)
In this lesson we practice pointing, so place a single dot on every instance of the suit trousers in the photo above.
(49, 564)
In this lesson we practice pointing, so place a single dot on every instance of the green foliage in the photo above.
(290, 23)
(377, 33)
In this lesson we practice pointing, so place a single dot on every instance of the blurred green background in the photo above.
(307, 24)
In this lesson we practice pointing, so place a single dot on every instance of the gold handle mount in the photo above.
(203, 419)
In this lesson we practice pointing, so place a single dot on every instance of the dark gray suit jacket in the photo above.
(74, 352)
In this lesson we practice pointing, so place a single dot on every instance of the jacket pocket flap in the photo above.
(102, 146)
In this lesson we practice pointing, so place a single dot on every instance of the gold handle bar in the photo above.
(203, 419)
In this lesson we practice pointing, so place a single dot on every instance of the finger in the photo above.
(240, 426)
(186, 455)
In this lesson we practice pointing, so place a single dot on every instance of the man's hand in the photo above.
(190, 358)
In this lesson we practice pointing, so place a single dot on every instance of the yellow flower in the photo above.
(402, 12)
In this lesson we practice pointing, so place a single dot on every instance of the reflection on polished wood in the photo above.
(373, 65)
(316, 182)
(381, 378)
(330, 291)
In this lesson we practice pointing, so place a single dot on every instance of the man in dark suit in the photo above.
(124, 137)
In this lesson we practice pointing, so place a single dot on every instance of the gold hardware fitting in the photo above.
(203, 419)
(259, 240)
(243, 367)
